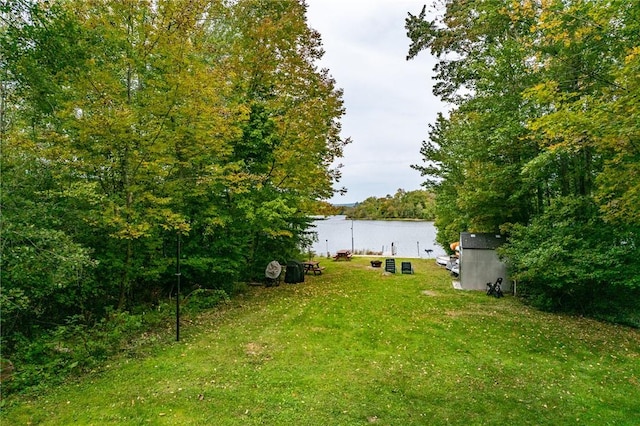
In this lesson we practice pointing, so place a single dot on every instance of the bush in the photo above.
(570, 260)
(49, 357)
(202, 299)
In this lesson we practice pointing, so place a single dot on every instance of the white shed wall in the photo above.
(480, 266)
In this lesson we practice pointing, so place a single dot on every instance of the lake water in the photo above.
(404, 238)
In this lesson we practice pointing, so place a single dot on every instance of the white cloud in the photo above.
(388, 99)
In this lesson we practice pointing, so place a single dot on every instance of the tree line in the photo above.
(542, 142)
(129, 124)
(418, 204)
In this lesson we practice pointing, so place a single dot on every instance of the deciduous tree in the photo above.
(543, 109)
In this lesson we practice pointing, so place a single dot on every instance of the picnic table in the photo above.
(313, 266)
(342, 254)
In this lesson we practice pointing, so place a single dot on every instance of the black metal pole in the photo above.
(178, 294)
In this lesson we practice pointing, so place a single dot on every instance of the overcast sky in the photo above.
(389, 101)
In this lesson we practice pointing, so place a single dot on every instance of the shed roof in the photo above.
(481, 241)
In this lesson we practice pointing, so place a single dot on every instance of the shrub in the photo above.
(48, 357)
(201, 299)
(569, 259)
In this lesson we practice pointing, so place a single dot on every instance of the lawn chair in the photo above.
(390, 265)
(495, 289)
(407, 268)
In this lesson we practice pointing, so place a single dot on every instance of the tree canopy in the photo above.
(544, 119)
(125, 123)
(403, 204)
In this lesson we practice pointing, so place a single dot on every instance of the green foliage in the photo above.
(46, 274)
(202, 299)
(324, 208)
(50, 356)
(126, 124)
(545, 112)
(570, 260)
(403, 205)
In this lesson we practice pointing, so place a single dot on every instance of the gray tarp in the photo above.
(273, 270)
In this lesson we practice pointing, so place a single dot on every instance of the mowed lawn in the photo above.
(354, 346)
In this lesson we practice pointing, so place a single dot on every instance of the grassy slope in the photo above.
(354, 347)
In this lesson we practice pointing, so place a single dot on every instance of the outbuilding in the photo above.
(479, 262)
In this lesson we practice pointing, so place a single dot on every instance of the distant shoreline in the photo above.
(385, 219)
(394, 219)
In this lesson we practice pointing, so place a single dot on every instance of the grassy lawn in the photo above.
(355, 347)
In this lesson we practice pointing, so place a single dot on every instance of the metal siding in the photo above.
(480, 266)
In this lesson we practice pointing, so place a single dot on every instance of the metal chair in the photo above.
(495, 289)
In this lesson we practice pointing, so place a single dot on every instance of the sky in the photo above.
(388, 100)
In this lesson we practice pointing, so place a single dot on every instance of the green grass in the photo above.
(355, 347)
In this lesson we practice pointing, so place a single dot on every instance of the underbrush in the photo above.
(75, 348)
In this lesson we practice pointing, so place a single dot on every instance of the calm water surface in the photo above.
(406, 238)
